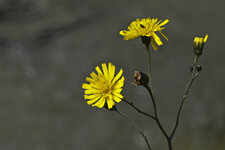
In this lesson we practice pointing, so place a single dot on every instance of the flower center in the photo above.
(106, 89)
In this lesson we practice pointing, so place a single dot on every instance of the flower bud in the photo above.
(199, 44)
(140, 79)
(198, 68)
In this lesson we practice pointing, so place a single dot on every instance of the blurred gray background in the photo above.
(48, 47)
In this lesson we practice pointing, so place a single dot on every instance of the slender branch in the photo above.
(151, 92)
(136, 126)
(153, 99)
(138, 110)
(149, 65)
(194, 75)
(155, 110)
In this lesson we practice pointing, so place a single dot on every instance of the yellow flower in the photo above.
(200, 40)
(146, 28)
(104, 87)
(198, 44)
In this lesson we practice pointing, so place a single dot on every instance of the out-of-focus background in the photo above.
(48, 47)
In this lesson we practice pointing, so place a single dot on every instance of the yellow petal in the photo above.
(91, 96)
(95, 86)
(163, 35)
(98, 70)
(93, 100)
(206, 37)
(157, 39)
(110, 103)
(90, 80)
(112, 69)
(117, 76)
(117, 94)
(119, 83)
(118, 90)
(86, 86)
(155, 47)
(105, 70)
(163, 23)
(92, 91)
(100, 103)
(117, 99)
(122, 32)
(94, 76)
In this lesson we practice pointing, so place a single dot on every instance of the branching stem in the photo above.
(138, 110)
(150, 90)
(135, 125)
(194, 75)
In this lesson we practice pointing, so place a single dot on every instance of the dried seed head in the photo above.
(140, 79)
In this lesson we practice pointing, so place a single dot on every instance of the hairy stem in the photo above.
(187, 89)
(149, 65)
(136, 126)
(138, 110)
(155, 111)
(150, 90)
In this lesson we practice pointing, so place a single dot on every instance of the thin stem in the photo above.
(153, 100)
(155, 111)
(149, 65)
(136, 126)
(138, 110)
(150, 91)
(187, 89)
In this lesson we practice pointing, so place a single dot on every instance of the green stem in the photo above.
(149, 65)
(136, 126)
(187, 89)
(137, 109)
(150, 90)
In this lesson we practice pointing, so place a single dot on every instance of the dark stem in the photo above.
(138, 110)
(188, 86)
(151, 92)
(136, 126)
(153, 100)
(149, 65)
(155, 111)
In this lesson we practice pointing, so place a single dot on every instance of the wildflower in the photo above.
(199, 44)
(146, 28)
(104, 89)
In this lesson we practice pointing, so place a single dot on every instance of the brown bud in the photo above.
(198, 68)
(140, 79)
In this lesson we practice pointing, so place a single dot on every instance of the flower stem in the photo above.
(149, 65)
(137, 109)
(150, 90)
(136, 126)
(194, 75)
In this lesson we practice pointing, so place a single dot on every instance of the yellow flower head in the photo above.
(104, 87)
(146, 27)
(200, 40)
(198, 44)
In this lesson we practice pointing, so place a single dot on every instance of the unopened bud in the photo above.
(140, 79)
(198, 68)
(199, 44)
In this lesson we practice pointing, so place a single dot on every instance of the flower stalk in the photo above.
(136, 126)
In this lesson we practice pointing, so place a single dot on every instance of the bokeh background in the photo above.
(48, 47)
